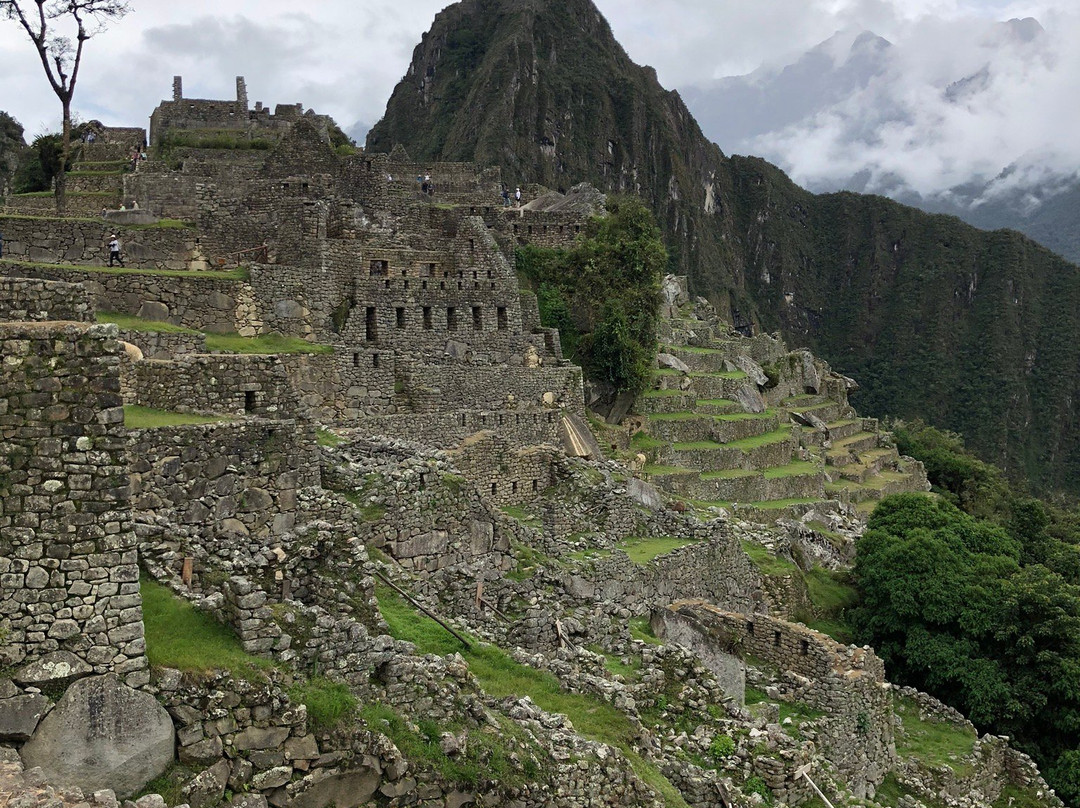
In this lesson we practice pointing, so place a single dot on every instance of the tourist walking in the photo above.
(517, 197)
(114, 250)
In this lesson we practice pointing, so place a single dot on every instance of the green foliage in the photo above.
(12, 146)
(644, 550)
(604, 294)
(273, 343)
(501, 676)
(960, 607)
(179, 637)
(139, 417)
(722, 746)
(326, 438)
(755, 785)
(328, 703)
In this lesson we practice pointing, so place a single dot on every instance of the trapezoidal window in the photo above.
(371, 325)
(399, 314)
(427, 318)
(380, 267)
(477, 318)
(451, 318)
(249, 401)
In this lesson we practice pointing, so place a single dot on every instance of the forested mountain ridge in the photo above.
(973, 331)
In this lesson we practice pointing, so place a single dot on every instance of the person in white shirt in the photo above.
(114, 250)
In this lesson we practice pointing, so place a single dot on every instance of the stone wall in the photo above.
(446, 430)
(164, 345)
(202, 301)
(25, 300)
(238, 477)
(844, 682)
(223, 384)
(85, 241)
(69, 600)
(506, 472)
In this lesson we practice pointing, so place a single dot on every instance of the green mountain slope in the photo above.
(973, 331)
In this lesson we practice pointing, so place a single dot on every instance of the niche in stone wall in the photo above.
(500, 314)
(451, 318)
(371, 325)
(427, 318)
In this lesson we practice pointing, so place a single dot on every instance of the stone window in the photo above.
(776, 638)
(406, 282)
(451, 318)
(399, 313)
(477, 318)
(371, 325)
(750, 628)
(249, 401)
(804, 647)
(513, 487)
(423, 285)
(472, 244)
(494, 489)
(356, 360)
(536, 486)
(427, 318)
(431, 270)
(500, 314)
(374, 360)
(380, 268)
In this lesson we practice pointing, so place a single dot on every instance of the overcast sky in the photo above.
(343, 57)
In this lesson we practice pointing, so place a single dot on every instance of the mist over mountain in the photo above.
(959, 117)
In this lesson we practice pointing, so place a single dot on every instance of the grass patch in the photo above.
(643, 440)
(641, 629)
(644, 550)
(328, 703)
(136, 417)
(697, 446)
(715, 402)
(500, 676)
(934, 743)
(324, 437)
(663, 393)
(266, 344)
(368, 512)
(131, 323)
(830, 592)
(755, 441)
(766, 562)
(519, 513)
(169, 784)
(796, 469)
(1015, 797)
(177, 636)
(240, 274)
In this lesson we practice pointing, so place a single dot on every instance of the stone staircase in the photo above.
(744, 423)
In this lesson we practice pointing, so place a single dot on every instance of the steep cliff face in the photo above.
(973, 331)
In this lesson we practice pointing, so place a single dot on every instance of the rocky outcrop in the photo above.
(103, 734)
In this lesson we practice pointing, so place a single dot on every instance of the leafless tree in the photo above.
(46, 22)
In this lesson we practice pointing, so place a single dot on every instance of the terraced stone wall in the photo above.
(229, 478)
(446, 430)
(214, 304)
(25, 300)
(224, 384)
(436, 387)
(81, 241)
(69, 576)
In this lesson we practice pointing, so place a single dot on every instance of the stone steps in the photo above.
(844, 452)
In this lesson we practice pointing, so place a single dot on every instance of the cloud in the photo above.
(915, 125)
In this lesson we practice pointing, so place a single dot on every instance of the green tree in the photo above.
(51, 24)
(12, 147)
(604, 294)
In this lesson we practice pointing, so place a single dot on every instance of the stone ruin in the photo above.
(465, 470)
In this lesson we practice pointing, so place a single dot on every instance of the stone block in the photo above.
(103, 734)
(19, 716)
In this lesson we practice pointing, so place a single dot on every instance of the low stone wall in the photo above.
(164, 345)
(460, 385)
(222, 384)
(25, 300)
(69, 576)
(219, 305)
(446, 430)
(85, 241)
(238, 477)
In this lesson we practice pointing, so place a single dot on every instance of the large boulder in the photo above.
(102, 734)
(19, 716)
